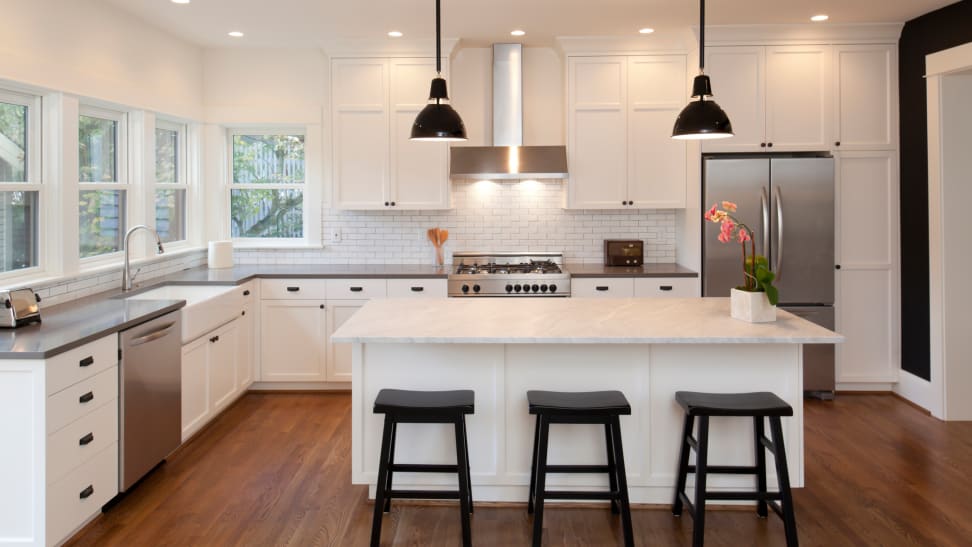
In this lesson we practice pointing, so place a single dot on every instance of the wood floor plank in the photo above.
(275, 470)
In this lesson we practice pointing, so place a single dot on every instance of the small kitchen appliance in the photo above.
(509, 274)
(624, 252)
(20, 307)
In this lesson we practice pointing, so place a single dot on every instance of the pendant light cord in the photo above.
(701, 36)
(438, 39)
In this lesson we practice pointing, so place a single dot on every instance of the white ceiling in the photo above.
(311, 23)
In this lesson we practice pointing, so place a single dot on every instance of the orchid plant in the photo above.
(757, 276)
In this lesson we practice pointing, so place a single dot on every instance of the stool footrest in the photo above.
(424, 494)
(580, 495)
(741, 496)
(728, 469)
(423, 468)
(579, 469)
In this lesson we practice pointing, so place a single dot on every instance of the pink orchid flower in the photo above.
(729, 206)
(744, 235)
(724, 237)
(710, 214)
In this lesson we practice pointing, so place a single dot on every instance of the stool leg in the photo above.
(622, 482)
(462, 463)
(612, 464)
(783, 478)
(683, 459)
(759, 433)
(380, 492)
(701, 468)
(391, 461)
(465, 441)
(533, 466)
(544, 433)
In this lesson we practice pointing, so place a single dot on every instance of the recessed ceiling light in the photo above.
(236, 34)
(646, 30)
(395, 33)
(180, 1)
(819, 18)
(518, 32)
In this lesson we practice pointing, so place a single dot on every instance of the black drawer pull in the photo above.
(87, 439)
(243, 312)
(86, 398)
(86, 362)
(602, 288)
(357, 289)
(246, 293)
(293, 289)
(665, 288)
(418, 289)
(214, 339)
(86, 493)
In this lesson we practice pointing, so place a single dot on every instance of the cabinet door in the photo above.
(738, 77)
(195, 387)
(359, 100)
(657, 163)
(866, 93)
(666, 287)
(798, 97)
(246, 348)
(223, 346)
(339, 355)
(419, 170)
(867, 287)
(292, 340)
(597, 132)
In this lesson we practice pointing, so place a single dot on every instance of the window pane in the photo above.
(13, 142)
(268, 159)
(97, 149)
(268, 213)
(170, 214)
(18, 230)
(166, 155)
(102, 224)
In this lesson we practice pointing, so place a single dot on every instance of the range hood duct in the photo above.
(508, 158)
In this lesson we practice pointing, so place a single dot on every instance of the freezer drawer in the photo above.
(818, 359)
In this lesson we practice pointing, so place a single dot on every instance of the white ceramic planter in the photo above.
(751, 306)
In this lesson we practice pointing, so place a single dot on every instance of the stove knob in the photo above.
(509, 288)
(476, 288)
(517, 288)
(535, 288)
(553, 288)
(543, 288)
(465, 288)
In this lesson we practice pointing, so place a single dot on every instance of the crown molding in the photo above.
(804, 33)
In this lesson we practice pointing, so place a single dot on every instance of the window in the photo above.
(102, 176)
(268, 185)
(20, 145)
(171, 187)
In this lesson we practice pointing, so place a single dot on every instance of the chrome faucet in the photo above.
(127, 276)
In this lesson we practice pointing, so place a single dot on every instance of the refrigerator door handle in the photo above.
(765, 218)
(779, 234)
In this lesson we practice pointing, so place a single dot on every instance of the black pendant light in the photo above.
(438, 121)
(702, 119)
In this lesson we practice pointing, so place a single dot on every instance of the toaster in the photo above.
(19, 307)
(624, 252)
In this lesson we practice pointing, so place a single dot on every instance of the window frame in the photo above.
(35, 178)
(309, 239)
(182, 183)
(124, 176)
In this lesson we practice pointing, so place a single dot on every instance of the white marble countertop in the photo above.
(570, 321)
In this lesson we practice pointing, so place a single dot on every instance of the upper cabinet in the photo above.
(620, 115)
(779, 98)
(375, 165)
(866, 91)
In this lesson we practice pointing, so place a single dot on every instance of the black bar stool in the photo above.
(759, 406)
(594, 407)
(423, 407)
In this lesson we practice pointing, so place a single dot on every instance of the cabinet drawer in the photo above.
(80, 495)
(80, 363)
(355, 289)
(666, 287)
(602, 287)
(292, 289)
(418, 288)
(81, 441)
(81, 399)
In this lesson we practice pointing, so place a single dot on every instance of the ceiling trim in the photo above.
(804, 33)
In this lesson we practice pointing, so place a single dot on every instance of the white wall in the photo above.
(85, 48)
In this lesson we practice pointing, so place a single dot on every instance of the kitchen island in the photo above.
(500, 348)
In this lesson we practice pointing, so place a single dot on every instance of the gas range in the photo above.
(509, 274)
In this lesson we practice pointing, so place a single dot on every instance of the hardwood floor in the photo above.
(275, 469)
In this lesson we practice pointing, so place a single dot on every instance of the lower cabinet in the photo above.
(602, 287)
(293, 340)
(638, 287)
(246, 348)
(339, 355)
(209, 376)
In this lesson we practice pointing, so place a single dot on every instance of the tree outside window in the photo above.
(267, 194)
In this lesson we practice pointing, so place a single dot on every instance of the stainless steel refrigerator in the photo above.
(789, 202)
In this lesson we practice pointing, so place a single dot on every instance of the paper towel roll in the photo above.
(220, 254)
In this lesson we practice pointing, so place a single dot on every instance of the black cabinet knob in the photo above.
(246, 293)
(386, 204)
(393, 204)
(837, 267)
(769, 144)
(762, 145)
(837, 143)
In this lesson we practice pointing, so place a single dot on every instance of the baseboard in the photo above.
(864, 387)
(300, 386)
(917, 406)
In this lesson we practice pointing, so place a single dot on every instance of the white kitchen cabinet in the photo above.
(293, 340)
(248, 340)
(209, 376)
(666, 287)
(195, 387)
(375, 166)
(866, 97)
(867, 303)
(602, 287)
(779, 98)
(339, 355)
(223, 349)
(620, 115)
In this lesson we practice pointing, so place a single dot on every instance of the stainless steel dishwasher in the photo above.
(150, 399)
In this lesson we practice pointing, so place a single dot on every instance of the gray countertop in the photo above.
(243, 273)
(647, 270)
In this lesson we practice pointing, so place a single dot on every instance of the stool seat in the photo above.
(402, 400)
(761, 403)
(587, 403)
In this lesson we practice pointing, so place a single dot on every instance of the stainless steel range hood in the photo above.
(508, 158)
